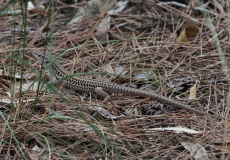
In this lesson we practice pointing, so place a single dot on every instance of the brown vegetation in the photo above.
(142, 38)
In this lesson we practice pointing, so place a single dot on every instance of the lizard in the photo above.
(80, 83)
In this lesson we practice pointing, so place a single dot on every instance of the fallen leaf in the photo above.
(93, 7)
(30, 6)
(102, 28)
(29, 85)
(119, 7)
(193, 89)
(145, 75)
(189, 31)
(197, 151)
(1, 72)
(118, 70)
(178, 130)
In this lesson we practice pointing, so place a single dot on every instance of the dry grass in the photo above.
(63, 126)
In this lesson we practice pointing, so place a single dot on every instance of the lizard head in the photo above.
(42, 58)
(49, 62)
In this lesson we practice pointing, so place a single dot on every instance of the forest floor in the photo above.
(178, 50)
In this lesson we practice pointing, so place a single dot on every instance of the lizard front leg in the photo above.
(100, 92)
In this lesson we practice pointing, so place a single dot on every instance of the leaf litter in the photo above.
(129, 39)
